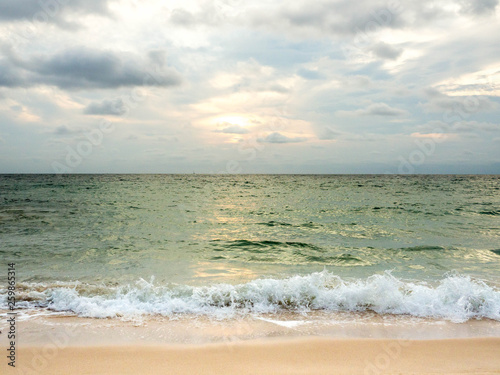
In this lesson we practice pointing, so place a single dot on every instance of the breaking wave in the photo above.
(455, 297)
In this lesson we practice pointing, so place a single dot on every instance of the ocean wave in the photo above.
(262, 246)
(423, 248)
(456, 298)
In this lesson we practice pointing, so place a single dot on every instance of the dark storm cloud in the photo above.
(50, 11)
(107, 107)
(86, 69)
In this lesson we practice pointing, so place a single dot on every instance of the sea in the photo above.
(231, 246)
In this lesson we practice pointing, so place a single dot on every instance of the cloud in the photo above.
(279, 63)
(365, 137)
(375, 109)
(9, 75)
(467, 126)
(208, 14)
(309, 74)
(86, 68)
(232, 129)
(280, 138)
(338, 17)
(158, 57)
(17, 108)
(361, 18)
(478, 7)
(334, 17)
(382, 109)
(461, 106)
(341, 17)
(435, 136)
(386, 51)
(114, 107)
(182, 17)
(51, 11)
(64, 130)
(329, 133)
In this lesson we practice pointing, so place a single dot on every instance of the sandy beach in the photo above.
(290, 356)
(366, 345)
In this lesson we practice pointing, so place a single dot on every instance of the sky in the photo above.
(231, 86)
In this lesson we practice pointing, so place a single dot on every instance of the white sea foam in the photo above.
(285, 323)
(456, 298)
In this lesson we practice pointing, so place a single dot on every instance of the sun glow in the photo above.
(233, 120)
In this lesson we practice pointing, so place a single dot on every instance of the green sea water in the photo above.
(203, 230)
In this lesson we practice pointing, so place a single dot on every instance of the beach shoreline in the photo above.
(271, 344)
(312, 355)
(43, 327)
